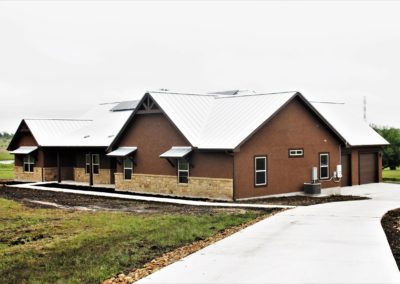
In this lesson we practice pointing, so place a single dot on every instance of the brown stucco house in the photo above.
(225, 145)
(69, 149)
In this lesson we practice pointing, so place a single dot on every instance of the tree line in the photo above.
(391, 153)
(6, 135)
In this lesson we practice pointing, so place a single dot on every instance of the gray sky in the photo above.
(59, 58)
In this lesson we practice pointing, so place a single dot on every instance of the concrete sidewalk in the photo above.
(150, 198)
(340, 242)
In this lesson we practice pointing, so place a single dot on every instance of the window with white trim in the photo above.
(29, 163)
(296, 152)
(260, 170)
(87, 163)
(128, 168)
(324, 166)
(183, 171)
(96, 163)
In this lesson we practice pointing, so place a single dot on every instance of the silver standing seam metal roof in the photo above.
(97, 128)
(24, 150)
(222, 121)
(122, 151)
(354, 129)
(219, 122)
(176, 152)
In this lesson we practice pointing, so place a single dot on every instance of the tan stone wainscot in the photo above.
(200, 187)
(20, 174)
(103, 177)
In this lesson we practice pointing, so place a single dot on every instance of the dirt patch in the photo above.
(301, 200)
(112, 190)
(58, 200)
(391, 225)
(298, 200)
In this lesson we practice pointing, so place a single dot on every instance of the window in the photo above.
(324, 166)
(128, 168)
(87, 164)
(96, 163)
(29, 162)
(296, 153)
(183, 171)
(260, 168)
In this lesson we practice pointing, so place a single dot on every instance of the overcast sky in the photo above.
(59, 58)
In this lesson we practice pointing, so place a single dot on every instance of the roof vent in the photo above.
(125, 105)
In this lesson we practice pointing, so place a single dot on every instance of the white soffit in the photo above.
(24, 150)
(122, 151)
(176, 152)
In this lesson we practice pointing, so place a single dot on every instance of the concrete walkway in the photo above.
(340, 242)
(149, 198)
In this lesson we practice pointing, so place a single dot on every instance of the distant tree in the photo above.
(6, 135)
(391, 154)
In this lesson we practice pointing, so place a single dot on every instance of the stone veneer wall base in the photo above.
(104, 176)
(197, 187)
(36, 175)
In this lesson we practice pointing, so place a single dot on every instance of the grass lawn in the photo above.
(5, 156)
(6, 171)
(391, 175)
(64, 246)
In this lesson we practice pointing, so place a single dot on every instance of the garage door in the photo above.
(368, 168)
(346, 170)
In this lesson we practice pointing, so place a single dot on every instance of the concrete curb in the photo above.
(152, 199)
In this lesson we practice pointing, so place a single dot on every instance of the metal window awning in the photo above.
(176, 152)
(24, 150)
(122, 152)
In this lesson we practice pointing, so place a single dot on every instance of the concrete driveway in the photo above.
(341, 242)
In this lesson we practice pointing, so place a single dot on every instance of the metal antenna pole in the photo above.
(365, 108)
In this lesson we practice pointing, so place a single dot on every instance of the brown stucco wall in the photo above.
(154, 134)
(293, 127)
(25, 139)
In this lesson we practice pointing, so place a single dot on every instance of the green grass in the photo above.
(4, 155)
(58, 246)
(6, 171)
(391, 175)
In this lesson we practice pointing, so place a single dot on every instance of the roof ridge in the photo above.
(253, 95)
(326, 102)
(59, 119)
(177, 93)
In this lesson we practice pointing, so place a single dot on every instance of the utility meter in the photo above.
(339, 171)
